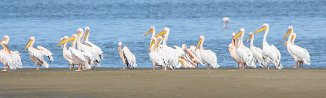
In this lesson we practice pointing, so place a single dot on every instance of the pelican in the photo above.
(155, 55)
(151, 30)
(233, 50)
(127, 57)
(207, 57)
(169, 53)
(270, 52)
(226, 20)
(299, 54)
(14, 54)
(67, 54)
(191, 57)
(98, 51)
(5, 57)
(92, 52)
(81, 58)
(245, 55)
(37, 54)
(256, 51)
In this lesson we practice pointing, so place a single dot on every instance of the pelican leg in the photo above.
(79, 68)
(71, 66)
(37, 67)
(4, 67)
(154, 66)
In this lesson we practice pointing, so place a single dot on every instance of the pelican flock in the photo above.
(84, 53)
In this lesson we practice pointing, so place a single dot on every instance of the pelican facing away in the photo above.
(299, 54)
(245, 55)
(37, 54)
(207, 57)
(127, 57)
(67, 54)
(270, 51)
(15, 55)
(256, 51)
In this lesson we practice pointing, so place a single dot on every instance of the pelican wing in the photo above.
(36, 53)
(179, 51)
(98, 49)
(5, 58)
(77, 54)
(278, 54)
(301, 53)
(131, 59)
(92, 53)
(46, 52)
(209, 57)
(17, 59)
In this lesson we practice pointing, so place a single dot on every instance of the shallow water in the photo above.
(126, 20)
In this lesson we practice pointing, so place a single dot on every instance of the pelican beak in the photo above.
(152, 43)
(79, 34)
(66, 41)
(287, 33)
(260, 30)
(160, 34)
(28, 44)
(236, 36)
(151, 30)
(198, 44)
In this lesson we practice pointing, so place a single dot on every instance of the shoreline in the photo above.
(188, 83)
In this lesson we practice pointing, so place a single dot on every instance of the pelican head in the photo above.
(200, 42)
(233, 34)
(6, 39)
(290, 30)
(87, 31)
(240, 33)
(163, 32)
(5, 46)
(184, 46)
(151, 30)
(80, 32)
(263, 28)
(251, 35)
(66, 40)
(31, 40)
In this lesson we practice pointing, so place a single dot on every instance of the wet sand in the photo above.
(146, 83)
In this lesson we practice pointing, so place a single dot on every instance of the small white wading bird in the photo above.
(299, 54)
(37, 54)
(127, 57)
(207, 57)
(82, 58)
(233, 50)
(256, 51)
(226, 20)
(243, 52)
(270, 52)
(67, 54)
(15, 55)
(98, 51)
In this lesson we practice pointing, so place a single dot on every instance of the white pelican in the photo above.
(170, 54)
(6, 58)
(155, 54)
(151, 30)
(207, 57)
(270, 51)
(95, 57)
(243, 52)
(226, 20)
(82, 58)
(37, 54)
(14, 54)
(127, 57)
(191, 57)
(257, 52)
(233, 50)
(67, 54)
(299, 54)
(98, 51)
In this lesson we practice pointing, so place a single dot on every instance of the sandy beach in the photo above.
(144, 83)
